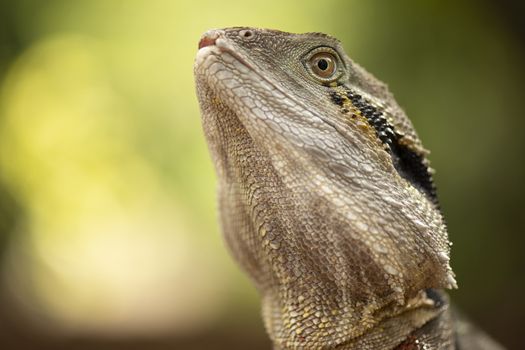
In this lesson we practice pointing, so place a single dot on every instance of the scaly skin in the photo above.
(326, 197)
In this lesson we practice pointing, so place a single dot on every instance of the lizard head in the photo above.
(326, 197)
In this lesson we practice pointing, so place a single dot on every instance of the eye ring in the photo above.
(324, 64)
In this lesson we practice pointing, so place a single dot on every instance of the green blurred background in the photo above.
(108, 224)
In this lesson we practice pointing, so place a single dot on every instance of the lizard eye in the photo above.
(323, 64)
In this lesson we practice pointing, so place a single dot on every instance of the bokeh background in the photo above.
(108, 226)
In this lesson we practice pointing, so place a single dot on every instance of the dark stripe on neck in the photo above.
(409, 164)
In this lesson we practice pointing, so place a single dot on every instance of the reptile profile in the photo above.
(326, 196)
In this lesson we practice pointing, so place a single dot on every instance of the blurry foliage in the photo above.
(9, 214)
(105, 175)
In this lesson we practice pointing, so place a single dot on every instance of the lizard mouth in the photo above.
(228, 75)
(209, 38)
(223, 51)
(240, 85)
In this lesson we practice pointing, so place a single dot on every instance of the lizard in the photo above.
(326, 196)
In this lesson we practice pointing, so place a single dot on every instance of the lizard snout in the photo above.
(209, 38)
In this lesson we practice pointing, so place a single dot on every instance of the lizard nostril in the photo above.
(246, 33)
(208, 39)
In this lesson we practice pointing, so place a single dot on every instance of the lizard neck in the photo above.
(321, 281)
(396, 327)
